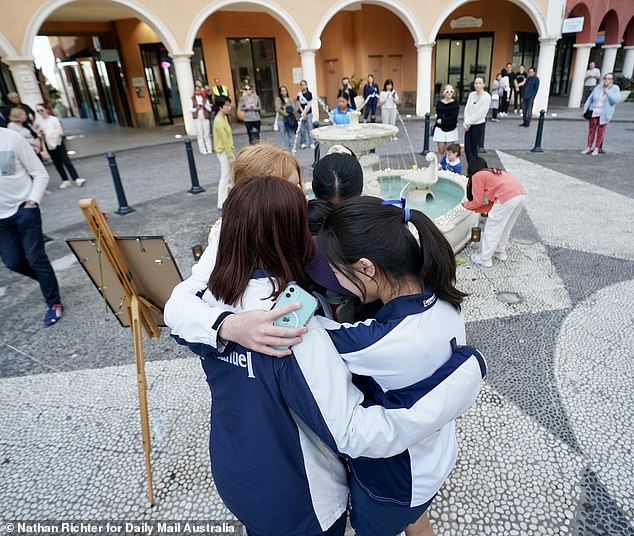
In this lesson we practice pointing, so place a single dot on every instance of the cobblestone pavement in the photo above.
(547, 448)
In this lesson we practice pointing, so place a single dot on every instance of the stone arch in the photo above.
(6, 48)
(401, 11)
(140, 10)
(527, 5)
(610, 23)
(277, 12)
(628, 34)
(587, 35)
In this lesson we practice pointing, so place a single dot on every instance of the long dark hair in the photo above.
(388, 82)
(365, 228)
(477, 163)
(264, 225)
(337, 177)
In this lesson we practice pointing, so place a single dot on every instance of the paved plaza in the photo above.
(546, 449)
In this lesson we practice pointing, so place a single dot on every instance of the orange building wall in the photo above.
(229, 24)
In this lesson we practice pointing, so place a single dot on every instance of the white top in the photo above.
(389, 99)
(23, 175)
(52, 128)
(201, 102)
(475, 111)
(589, 78)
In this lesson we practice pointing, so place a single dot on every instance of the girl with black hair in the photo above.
(286, 108)
(389, 103)
(501, 195)
(475, 114)
(374, 255)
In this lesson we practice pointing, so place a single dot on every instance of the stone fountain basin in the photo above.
(359, 138)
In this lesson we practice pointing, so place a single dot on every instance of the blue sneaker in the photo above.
(53, 314)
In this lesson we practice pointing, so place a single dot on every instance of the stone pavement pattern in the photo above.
(545, 450)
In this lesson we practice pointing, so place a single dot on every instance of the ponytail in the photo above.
(364, 227)
(438, 263)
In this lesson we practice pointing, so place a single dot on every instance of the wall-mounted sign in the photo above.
(297, 75)
(572, 25)
(138, 81)
(109, 54)
(466, 22)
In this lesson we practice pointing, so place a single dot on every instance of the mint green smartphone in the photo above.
(295, 319)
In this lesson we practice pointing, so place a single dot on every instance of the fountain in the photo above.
(435, 192)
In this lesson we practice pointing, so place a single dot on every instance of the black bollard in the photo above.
(426, 135)
(540, 132)
(481, 149)
(193, 174)
(118, 187)
(316, 154)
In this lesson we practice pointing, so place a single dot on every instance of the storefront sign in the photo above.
(572, 25)
(466, 22)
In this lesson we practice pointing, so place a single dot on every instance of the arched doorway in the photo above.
(247, 43)
(348, 46)
(112, 61)
(471, 41)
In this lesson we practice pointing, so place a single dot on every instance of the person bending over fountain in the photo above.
(504, 196)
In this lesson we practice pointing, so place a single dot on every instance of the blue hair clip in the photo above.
(401, 202)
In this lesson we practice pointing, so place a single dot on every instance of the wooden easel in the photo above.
(139, 310)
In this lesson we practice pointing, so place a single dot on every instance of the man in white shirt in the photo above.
(23, 181)
(590, 80)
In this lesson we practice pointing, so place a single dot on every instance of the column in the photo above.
(25, 80)
(547, 46)
(628, 61)
(309, 73)
(423, 78)
(581, 66)
(609, 57)
(185, 82)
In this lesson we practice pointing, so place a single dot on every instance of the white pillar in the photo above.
(547, 46)
(25, 80)
(423, 78)
(581, 66)
(609, 58)
(628, 62)
(309, 73)
(185, 82)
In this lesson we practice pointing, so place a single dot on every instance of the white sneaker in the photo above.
(64, 185)
(475, 258)
(303, 146)
(79, 182)
(501, 255)
(312, 145)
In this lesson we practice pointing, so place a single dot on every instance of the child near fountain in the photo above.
(501, 195)
(341, 114)
(451, 159)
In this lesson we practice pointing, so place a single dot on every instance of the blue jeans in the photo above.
(304, 133)
(22, 250)
(285, 135)
(370, 109)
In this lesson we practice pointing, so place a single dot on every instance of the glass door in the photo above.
(253, 62)
(161, 81)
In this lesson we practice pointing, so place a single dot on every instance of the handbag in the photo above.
(587, 114)
(276, 126)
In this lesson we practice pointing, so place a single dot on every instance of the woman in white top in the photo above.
(475, 114)
(505, 93)
(389, 101)
(201, 112)
(51, 129)
(17, 118)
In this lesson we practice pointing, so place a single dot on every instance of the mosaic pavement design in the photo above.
(547, 448)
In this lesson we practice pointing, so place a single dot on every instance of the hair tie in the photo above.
(402, 201)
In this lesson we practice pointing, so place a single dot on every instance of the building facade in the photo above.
(134, 62)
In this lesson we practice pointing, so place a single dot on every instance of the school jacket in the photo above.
(278, 424)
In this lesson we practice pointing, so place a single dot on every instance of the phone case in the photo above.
(295, 319)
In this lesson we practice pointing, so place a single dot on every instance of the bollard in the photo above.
(481, 149)
(426, 135)
(118, 187)
(540, 132)
(316, 154)
(193, 174)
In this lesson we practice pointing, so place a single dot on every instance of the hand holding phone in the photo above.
(300, 317)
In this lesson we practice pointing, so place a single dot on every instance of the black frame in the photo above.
(463, 37)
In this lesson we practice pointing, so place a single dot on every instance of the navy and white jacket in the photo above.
(277, 423)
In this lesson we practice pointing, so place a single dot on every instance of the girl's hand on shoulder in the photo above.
(255, 330)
